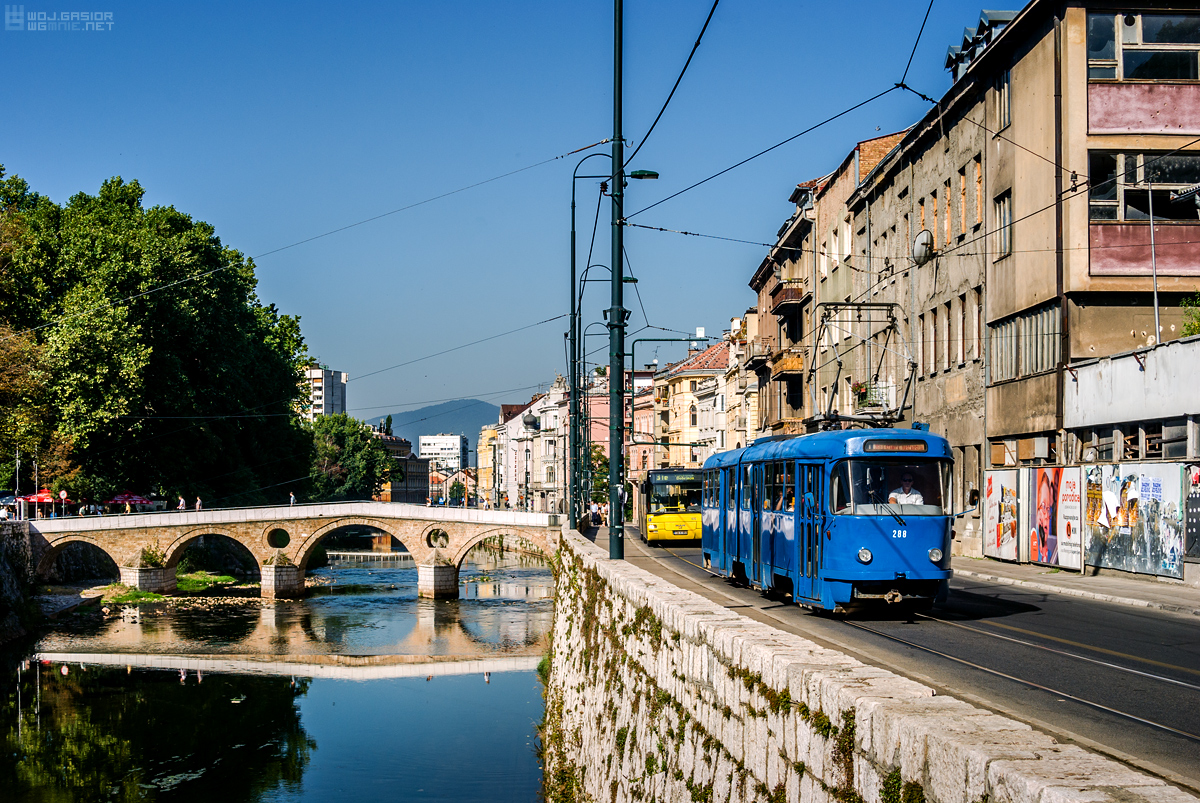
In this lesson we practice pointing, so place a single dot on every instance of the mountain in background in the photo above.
(461, 416)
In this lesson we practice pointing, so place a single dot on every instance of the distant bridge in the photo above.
(343, 669)
(439, 538)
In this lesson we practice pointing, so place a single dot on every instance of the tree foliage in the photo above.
(599, 465)
(143, 350)
(1191, 316)
(348, 463)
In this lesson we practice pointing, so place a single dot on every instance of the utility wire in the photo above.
(457, 348)
(240, 264)
(676, 86)
(765, 151)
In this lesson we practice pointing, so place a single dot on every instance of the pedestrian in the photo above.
(182, 503)
(197, 503)
(604, 515)
(595, 511)
(291, 498)
(128, 509)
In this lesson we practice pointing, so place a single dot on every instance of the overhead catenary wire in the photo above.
(765, 151)
(670, 95)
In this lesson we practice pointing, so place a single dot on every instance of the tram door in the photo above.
(728, 539)
(756, 505)
(809, 521)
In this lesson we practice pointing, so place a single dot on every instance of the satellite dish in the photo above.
(922, 247)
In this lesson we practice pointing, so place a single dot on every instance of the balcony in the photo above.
(870, 396)
(758, 352)
(791, 361)
(789, 293)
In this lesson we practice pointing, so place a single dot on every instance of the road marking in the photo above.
(1023, 681)
(1082, 646)
(1068, 654)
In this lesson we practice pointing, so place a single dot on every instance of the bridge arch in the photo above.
(50, 556)
(303, 545)
(536, 538)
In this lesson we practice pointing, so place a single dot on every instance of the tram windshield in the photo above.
(675, 493)
(878, 487)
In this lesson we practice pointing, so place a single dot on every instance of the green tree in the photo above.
(457, 491)
(348, 463)
(1191, 316)
(387, 425)
(164, 371)
(599, 464)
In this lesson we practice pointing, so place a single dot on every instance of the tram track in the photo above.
(948, 666)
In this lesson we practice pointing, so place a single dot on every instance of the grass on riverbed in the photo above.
(124, 595)
(198, 582)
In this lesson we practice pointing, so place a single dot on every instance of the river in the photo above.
(362, 690)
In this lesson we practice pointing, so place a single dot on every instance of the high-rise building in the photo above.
(446, 451)
(327, 391)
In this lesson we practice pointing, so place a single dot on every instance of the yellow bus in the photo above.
(670, 506)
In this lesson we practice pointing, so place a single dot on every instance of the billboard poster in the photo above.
(1134, 518)
(1191, 484)
(1055, 535)
(1002, 507)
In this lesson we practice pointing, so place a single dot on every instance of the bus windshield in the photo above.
(882, 487)
(675, 495)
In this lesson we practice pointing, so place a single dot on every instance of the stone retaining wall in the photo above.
(656, 693)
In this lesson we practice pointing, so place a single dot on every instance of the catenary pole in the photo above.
(616, 312)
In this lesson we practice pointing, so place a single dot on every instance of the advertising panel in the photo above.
(1134, 519)
(1002, 509)
(1055, 534)
(1191, 483)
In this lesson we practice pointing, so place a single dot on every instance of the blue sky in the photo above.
(277, 122)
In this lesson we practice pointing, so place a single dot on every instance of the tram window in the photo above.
(839, 489)
(730, 489)
(747, 485)
(772, 487)
(789, 486)
(881, 487)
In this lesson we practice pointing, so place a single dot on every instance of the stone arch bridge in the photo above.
(439, 538)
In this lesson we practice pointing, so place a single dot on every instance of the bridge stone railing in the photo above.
(216, 516)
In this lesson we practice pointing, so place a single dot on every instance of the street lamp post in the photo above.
(526, 479)
(573, 369)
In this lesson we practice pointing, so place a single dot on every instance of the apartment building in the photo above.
(326, 391)
(448, 452)
(676, 403)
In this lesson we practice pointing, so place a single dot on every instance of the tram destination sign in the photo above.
(895, 446)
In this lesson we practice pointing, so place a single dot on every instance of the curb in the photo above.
(1075, 592)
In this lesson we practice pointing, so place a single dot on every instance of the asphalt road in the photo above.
(1120, 680)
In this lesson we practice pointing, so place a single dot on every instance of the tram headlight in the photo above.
(864, 555)
(935, 555)
(652, 527)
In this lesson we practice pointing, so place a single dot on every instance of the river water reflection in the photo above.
(362, 690)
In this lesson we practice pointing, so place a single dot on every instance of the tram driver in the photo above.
(906, 494)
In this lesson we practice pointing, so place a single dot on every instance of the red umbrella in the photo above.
(43, 497)
(132, 499)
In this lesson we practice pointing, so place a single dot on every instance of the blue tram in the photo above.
(836, 519)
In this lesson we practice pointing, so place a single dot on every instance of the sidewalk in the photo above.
(1106, 588)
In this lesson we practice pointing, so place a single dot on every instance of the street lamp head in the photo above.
(643, 174)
